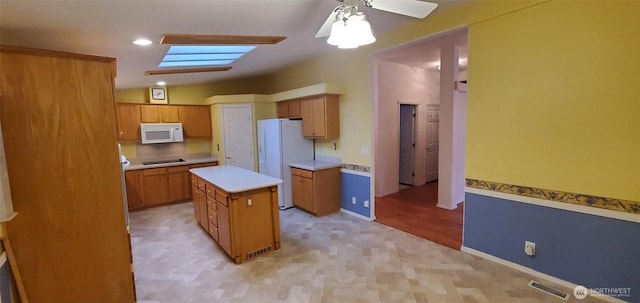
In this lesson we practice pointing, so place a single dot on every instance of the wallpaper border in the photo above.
(620, 205)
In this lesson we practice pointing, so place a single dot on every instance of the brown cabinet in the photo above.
(244, 224)
(159, 114)
(196, 121)
(128, 122)
(133, 181)
(155, 183)
(224, 228)
(199, 201)
(212, 216)
(317, 192)
(70, 238)
(289, 109)
(156, 186)
(320, 117)
(179, 180)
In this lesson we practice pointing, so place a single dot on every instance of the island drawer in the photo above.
(222, 197)
(201, 184)
(301, 172)
(211, 190)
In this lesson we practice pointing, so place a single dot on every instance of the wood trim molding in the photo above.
(56, 54)
(188, 39)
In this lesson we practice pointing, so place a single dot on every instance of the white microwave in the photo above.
(161, 132)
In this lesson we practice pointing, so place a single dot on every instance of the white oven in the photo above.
(161, 132)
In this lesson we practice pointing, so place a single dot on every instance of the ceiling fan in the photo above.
(347, 27)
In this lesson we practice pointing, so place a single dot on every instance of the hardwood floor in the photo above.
(414, 210)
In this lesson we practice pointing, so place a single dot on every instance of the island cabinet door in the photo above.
(224, 228)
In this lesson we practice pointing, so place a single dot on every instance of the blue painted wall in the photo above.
(355, 186)
(580, 248)
(5, 282)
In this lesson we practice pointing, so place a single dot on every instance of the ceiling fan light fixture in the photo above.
(338, 31)
(361, 29)
(351, 32)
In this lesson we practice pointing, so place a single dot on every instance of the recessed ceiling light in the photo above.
(161, 83)
(142, 42)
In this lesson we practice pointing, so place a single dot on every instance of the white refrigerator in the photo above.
(280, 142)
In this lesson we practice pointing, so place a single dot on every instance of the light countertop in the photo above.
(233, 179)
(314, 165)
(189, 159)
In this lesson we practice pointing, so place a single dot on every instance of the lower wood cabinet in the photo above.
(179, 180)
(317, 192)
(133, 181)
(157, 186)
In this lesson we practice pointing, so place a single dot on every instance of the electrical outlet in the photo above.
(530, 248)
(366, 203)
(353, 200)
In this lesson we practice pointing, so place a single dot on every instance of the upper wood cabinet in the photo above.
(289, 109)
(159, 114)
(196, 121)
(128, 122)
(321, 117)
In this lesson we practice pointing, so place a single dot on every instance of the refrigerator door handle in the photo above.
(264, 142)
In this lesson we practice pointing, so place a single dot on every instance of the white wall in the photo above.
(408, 85)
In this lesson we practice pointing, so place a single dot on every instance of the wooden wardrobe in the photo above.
(70, 236)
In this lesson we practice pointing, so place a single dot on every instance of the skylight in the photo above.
(203, 55)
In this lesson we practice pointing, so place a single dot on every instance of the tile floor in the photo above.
(336, 258)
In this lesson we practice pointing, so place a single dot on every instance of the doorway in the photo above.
(424, 71)
(237, 126)
(407, 144)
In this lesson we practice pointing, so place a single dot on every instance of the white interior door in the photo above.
(433, 121)
(407, 144)
(237, 125)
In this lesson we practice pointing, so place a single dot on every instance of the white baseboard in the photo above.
(532, 272)
(356, 215)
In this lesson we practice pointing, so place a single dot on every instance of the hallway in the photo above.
(414, 210)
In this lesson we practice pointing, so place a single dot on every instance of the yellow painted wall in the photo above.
(198, 93)
(553, 98)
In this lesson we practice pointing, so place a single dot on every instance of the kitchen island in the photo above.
(238, 208)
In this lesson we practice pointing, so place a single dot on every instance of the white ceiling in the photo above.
(107, 28)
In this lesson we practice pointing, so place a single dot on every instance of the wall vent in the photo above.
(552, 291)
(258, 252)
